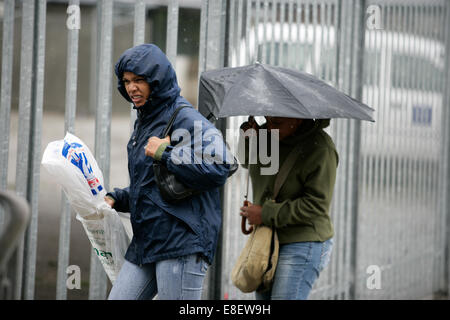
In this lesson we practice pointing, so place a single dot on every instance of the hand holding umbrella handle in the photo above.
(244, 226)
(244, 220)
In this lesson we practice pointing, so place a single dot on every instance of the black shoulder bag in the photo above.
(171, 189)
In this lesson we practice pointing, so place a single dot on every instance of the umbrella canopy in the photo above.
(264, 90)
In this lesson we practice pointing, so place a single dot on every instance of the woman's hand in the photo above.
(110, 201)
(250, 124)
(153, 145)
(252, 212)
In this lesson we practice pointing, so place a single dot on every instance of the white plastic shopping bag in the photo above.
(72, 165)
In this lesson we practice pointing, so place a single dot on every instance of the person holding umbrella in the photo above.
(299, 106)
(300, 213)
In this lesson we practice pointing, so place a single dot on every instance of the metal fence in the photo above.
(389, 210)
(390, 207)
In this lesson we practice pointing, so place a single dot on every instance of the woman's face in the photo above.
(137, 88)
(286, 126)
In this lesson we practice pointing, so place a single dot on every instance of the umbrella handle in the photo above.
(244, 226)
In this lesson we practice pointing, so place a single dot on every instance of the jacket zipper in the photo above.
(135, 139)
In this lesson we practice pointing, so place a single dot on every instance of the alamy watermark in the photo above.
(373, 20)
(207, 147)
(373, 281)
(74, 277)
(73, 21)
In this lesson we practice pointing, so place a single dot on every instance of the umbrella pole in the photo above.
(244, 219)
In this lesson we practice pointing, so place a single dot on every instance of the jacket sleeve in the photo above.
(316, 196)
(121, 197)
(201, 165)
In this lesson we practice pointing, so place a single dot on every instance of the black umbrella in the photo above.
(264, 90)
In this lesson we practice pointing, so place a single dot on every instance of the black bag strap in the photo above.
(171, 121)
(285, 169)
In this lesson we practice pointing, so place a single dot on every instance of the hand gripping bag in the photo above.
(71, 164)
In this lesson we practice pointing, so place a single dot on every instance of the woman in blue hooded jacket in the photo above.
(172, 244)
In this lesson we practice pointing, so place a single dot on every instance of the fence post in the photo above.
(357, 90)
(212, 56)
(172, 32)
(350, 50)
(97, 276)
(446, 147)
(35, 146)
(140, 13)
(5, 102)
(23, 139)
(5, 108)
(69, 126)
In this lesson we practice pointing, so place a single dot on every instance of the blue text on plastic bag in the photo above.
(75, 154)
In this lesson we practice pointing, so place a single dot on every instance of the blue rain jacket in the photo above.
(164, 230)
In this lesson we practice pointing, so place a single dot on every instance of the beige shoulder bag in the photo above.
(255, 267)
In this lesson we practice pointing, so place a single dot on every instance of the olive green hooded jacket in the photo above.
(301, 210)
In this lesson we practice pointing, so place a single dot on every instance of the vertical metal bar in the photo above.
(291, 46)
(97, 279)
(5, 96)
(264, 44)
(298, 40)
(248, 9)
(201, 67)
(216, 35)
(257, 31)
(214, 47)
(411, 160)
(281, 43)
(273, 23)
(336, 205)
(355, 154)
(138, 38)
(322, 28)
(343, 69)
(69, 126)
(426, 261)
(434, 178)
(239, 34)
(93, 72)
(23, 142)
(232, 35)
(443, 12)
(446, 145)
(393, 195)
(346, 138)
(332, 65)
(203, 35)
(315, 47)
(386, 186)
(172, 32)
(6, 81)
(35, 148)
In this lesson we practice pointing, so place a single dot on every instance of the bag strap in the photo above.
(285, 169)
(171, 121)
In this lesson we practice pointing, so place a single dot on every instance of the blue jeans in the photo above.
(174, 279)
(299, 265)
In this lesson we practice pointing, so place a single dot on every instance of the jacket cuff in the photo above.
(269, 212)
(111, 195)
(160, 150)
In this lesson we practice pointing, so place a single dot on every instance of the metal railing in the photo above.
(16, 211)
(391, 202)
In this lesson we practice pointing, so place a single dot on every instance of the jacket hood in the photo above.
(148, 61)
